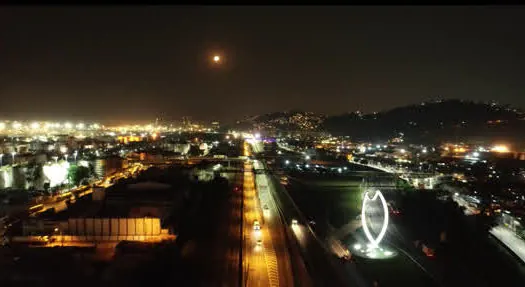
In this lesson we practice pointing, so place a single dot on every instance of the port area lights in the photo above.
(373, 249)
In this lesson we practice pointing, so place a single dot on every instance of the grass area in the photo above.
(338, 202)
(345, 204)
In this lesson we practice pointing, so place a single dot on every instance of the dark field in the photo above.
(333, 201)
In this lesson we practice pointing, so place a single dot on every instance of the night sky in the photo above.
(118, 64)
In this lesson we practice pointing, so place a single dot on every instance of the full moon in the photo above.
(216, 59)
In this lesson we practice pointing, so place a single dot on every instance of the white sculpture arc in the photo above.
(374, 241)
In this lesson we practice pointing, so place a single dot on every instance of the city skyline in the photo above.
(121, 64)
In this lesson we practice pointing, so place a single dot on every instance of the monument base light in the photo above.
(371, 252)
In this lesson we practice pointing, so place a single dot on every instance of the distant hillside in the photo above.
(431, 122)
(283, 121)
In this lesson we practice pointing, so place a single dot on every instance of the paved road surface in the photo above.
(273, 223)
(323, 268)
(257, 272)
(509, 239)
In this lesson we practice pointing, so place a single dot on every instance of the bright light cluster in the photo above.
(56, 173)
(39, 126)
(500, 149)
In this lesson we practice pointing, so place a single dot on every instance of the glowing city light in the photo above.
(56, 173)
(500, 149)
(17, 125)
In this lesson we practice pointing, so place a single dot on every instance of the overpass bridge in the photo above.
(415, 178)
(194, 160)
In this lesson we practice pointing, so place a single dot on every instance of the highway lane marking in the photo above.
(268, 252)
(270, 259)
(270, 256)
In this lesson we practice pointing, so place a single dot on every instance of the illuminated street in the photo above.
(316, 264)
(58, 202)
(509, 239)
(255, 257)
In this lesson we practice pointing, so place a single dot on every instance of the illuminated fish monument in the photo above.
(373, 248)
(377, 194)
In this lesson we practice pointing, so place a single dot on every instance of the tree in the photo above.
(33, 173)
(92, 172)
(77, 174)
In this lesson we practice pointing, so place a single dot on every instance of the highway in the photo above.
(273, 223)
(257, 271)
(269, 263)
(322, 266)
(511, 240)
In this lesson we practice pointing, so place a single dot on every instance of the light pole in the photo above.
(1, 156)
(75, 154)
(13, 154)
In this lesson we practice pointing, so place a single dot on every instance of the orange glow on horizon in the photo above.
(500, 149)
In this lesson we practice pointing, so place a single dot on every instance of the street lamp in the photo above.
(13, 154)
(75, 154)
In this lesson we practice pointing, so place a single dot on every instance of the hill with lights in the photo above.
(428, 122)
(283, 121)
(451, 120)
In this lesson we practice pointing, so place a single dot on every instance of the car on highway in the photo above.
(294, 222)
(256, 225)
